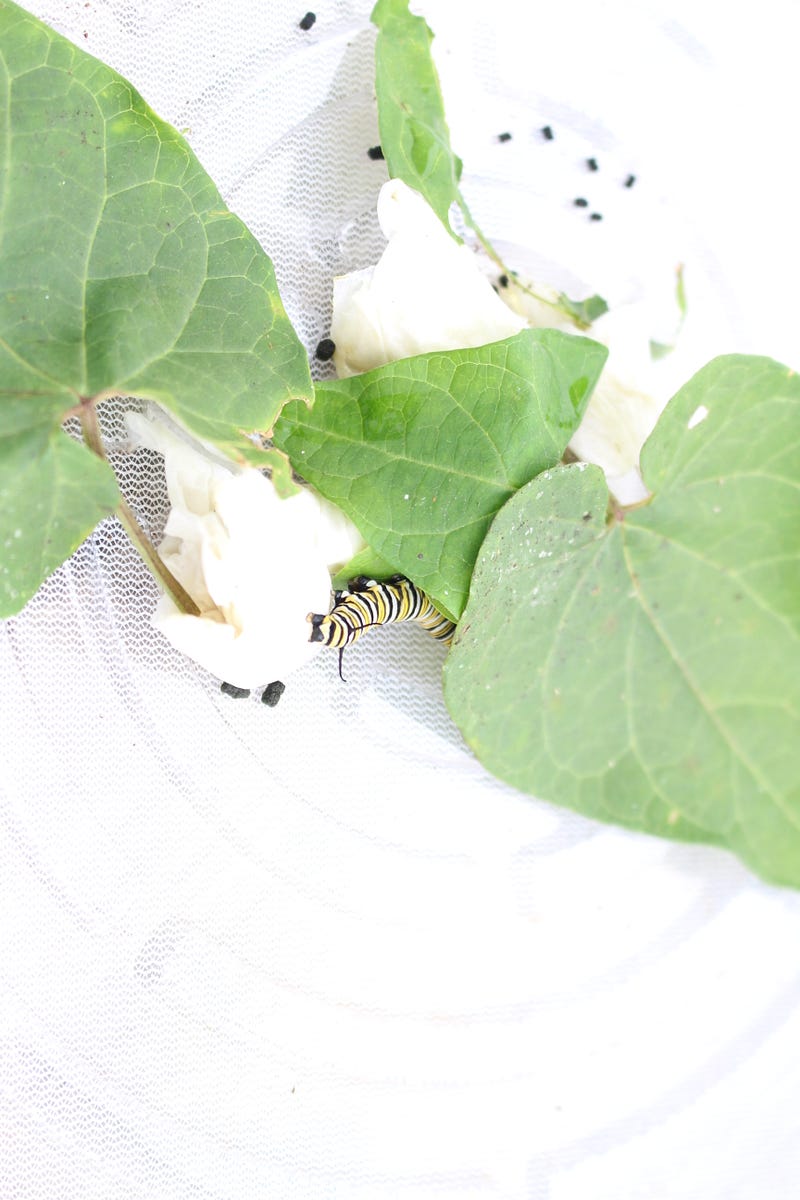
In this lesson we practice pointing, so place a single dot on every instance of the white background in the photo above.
(316, 952)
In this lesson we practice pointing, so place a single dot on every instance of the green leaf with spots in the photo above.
(423, 452)
(644, 668)
(121, 272)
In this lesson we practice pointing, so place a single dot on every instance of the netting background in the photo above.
(316, 951)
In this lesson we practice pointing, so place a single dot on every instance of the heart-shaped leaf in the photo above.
(121, 272)
(423, 452)
(644, 668)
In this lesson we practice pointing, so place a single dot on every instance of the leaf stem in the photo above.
(495, 257)
(618, 512)
(562, 304)
(147, 551)
(175, 590)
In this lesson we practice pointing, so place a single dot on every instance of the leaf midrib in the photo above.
(736, 753)
(724, 570)
(58, 387)
(439, 467)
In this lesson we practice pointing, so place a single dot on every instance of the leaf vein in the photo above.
(699, 697)
(439, 467)
(729, 571)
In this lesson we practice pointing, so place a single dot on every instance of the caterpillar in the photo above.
(366, 602)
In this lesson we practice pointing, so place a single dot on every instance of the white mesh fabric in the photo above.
(316, 951)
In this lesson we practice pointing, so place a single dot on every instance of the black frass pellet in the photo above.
(272, 693)
(308, 20)
(375, 153)
(326, 349)
(230, 689)
(547, 133)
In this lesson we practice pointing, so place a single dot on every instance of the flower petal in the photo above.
(255, 564)
(426, 293)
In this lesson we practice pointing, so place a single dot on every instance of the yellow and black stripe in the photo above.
(366, 603)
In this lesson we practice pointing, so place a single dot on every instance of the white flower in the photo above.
(254, 564)
(426, 293)
(625, 405)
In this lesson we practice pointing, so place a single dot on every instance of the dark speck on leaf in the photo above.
(630, 181)
(592, 164)
(308, 20)
(587, 516)
(272, 693)
(503, 281)
(230, 689)
(547, 133)
(326, 349)
(504, 137)
(375, 153)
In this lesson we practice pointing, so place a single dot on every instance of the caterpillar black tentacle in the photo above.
(366, 603)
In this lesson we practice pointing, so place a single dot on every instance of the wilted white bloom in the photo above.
(625, 405)
(426, 293)
(254, 564)
(617, 422)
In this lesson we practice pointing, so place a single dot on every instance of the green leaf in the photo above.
(366, 562)
(49, 498)
(645, 668)
(680, 292)
(583, 312)
(660, 350)
(414, 136)
(423, 452)
(121, 272)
